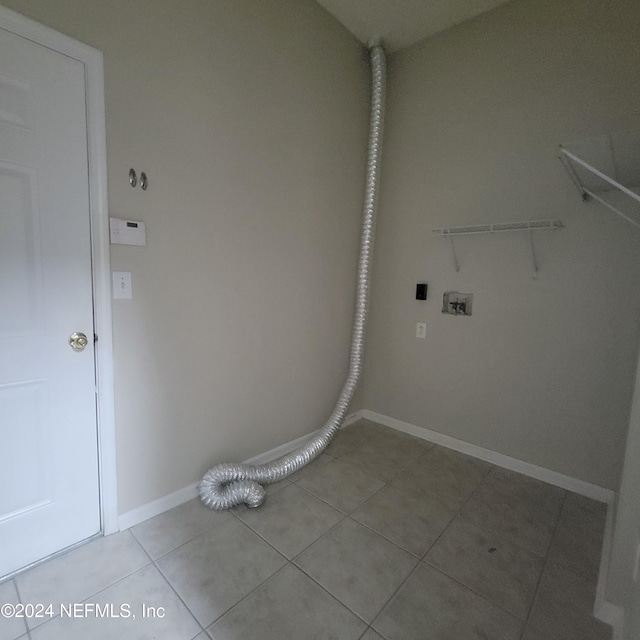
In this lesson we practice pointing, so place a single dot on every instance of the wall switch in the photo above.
(421, 291)
(421, 330)
(121, 283)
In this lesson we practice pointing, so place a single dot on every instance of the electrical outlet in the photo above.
(421, 330)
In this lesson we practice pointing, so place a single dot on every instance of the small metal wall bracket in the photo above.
(133, 179)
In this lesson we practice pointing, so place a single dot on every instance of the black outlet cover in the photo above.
(421, 291)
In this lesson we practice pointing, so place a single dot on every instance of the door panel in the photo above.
(49, 496)
(21, 284)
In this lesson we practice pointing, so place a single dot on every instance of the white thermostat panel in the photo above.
(127, 232)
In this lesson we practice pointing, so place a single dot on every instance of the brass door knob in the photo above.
(78, 341)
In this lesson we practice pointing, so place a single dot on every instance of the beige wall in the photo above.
(250, 121)
(543, 370)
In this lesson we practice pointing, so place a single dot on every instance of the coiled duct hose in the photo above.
(227, 485)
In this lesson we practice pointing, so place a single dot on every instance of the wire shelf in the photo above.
(529, 225)
(497, 227)
(604, 168)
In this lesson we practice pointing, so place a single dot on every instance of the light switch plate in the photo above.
(121, 283)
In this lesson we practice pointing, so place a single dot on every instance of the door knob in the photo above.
(78, 341)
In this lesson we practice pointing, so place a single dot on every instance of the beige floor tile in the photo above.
(386, 437)
(411, 523)
(217, 569)
(526, 489)
(595, 506)
(291, 520)
(480, 531)
(577, 542)
(288, 606)
(489, 565)
(322, 460)
(128, 622)
(347, 440)
(443, 477)
(563, 609)
(342, 485)
(527, 523)
(81, 573)
(358, 567)
(532, 634)
(432, 605)
(173, 528)
(11, 627)
(386, 453)
(374, 462)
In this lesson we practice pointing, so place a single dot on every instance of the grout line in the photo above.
(256, 533)
(244, 597)
(457, 514)
(95, 593)
(366, 526)
(392, 596)
(231, 607)
(171, 587)
(348, 608)
(544, 567)
(24, 620)
(347, 513)
(479, 595)
(164, 555)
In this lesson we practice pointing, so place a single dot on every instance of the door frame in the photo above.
(100, 259)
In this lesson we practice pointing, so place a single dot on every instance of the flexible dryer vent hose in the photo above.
(227, 485)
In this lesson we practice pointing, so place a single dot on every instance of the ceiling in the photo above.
(401, 23)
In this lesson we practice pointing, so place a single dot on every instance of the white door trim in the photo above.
(94, 85)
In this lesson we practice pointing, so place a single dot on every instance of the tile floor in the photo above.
(382, 537)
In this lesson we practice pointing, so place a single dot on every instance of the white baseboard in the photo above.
(151, 509)
(613, 615)
(526, 468)
(607, 612)
(354, 417)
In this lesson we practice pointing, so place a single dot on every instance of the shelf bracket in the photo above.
(567, 156)
(453, 252)
(574, 176)
(534, 259)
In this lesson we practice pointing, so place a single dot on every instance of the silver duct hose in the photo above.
(227, 485)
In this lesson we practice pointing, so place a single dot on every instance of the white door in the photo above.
(49, 495)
